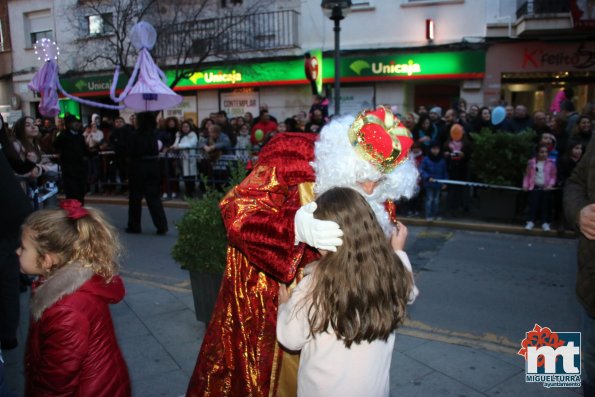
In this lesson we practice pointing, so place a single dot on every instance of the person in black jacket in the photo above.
(143, 150)
(119, 143)
(71, 146)
(579, 207)
(14, 208)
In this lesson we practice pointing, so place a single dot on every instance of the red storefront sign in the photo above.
(583, 14)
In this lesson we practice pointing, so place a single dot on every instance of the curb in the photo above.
(479, 226)
(461, 224)
(124, 201)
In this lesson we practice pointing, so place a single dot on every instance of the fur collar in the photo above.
(63, 281)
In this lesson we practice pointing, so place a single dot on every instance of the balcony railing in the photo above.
(541, 7)
(243, 33)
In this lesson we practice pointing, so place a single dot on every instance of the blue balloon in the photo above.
(498, 115)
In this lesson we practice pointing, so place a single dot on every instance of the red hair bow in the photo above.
(74, 208)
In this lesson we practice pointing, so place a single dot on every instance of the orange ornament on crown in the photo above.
(380, 138)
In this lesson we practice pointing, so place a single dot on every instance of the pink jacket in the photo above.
(549, 170)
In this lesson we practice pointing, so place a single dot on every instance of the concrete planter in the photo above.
(205, 287)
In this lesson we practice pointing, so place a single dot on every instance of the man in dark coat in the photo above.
(71, 146)
(579, 206)
(521, 121)
(119, 143)
(143, 152)
(14, 208)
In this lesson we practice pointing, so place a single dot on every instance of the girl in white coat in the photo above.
(186, 142)
(343, 314)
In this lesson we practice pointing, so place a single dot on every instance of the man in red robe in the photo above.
(269, 244)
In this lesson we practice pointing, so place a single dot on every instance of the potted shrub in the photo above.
(500, 159)
(202, 244)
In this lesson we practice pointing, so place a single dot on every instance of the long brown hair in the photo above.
(361, 290)
(20, 134)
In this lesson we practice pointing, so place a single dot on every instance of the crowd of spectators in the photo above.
(561, 131)
(189, 153)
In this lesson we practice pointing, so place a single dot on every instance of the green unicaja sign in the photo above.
(463, 64)
(439, 64)
(288, 72)
(91, 84)
(460, 64)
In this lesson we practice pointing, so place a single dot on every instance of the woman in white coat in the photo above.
(186, 143)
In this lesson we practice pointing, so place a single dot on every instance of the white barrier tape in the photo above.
(481, 185)
(50, 193)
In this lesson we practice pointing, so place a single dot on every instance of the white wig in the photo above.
(336, 164)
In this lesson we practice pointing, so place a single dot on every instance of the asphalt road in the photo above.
(475, 282)
(480, 292)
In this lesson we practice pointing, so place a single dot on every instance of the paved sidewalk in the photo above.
(160, 336)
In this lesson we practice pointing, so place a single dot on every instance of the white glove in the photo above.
(407, 264)
(325, 235)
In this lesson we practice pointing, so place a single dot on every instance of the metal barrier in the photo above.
(112, 175)
(214, 170)
(112, 172)
(39, 195)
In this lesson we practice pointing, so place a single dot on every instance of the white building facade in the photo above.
(388, 56)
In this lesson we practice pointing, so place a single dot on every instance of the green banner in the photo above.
(353, 68)
(440, 64)
(267, 72)
(404, 65)
(91, 84)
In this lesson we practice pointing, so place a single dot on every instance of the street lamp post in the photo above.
(337, 10)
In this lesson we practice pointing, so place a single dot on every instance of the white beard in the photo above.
(377, 204)
(336, 164)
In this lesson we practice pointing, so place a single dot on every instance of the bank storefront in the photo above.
(410, 80)
(402, 80)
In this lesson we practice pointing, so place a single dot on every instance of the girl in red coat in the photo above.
(72, 348)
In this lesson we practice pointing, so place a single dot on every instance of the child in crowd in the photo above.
(243, 144)
(549, 140)
(539, 179)
(456, 152)
(72, 348)
(344, 312)
(433, 167)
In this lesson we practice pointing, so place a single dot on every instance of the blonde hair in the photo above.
(90, 240)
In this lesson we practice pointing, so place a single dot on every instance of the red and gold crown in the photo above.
(380, 138)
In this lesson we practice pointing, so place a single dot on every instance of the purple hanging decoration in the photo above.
(150, 91)
(47, 83)
(44, 82)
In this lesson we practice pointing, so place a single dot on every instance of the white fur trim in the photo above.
(63, 281)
